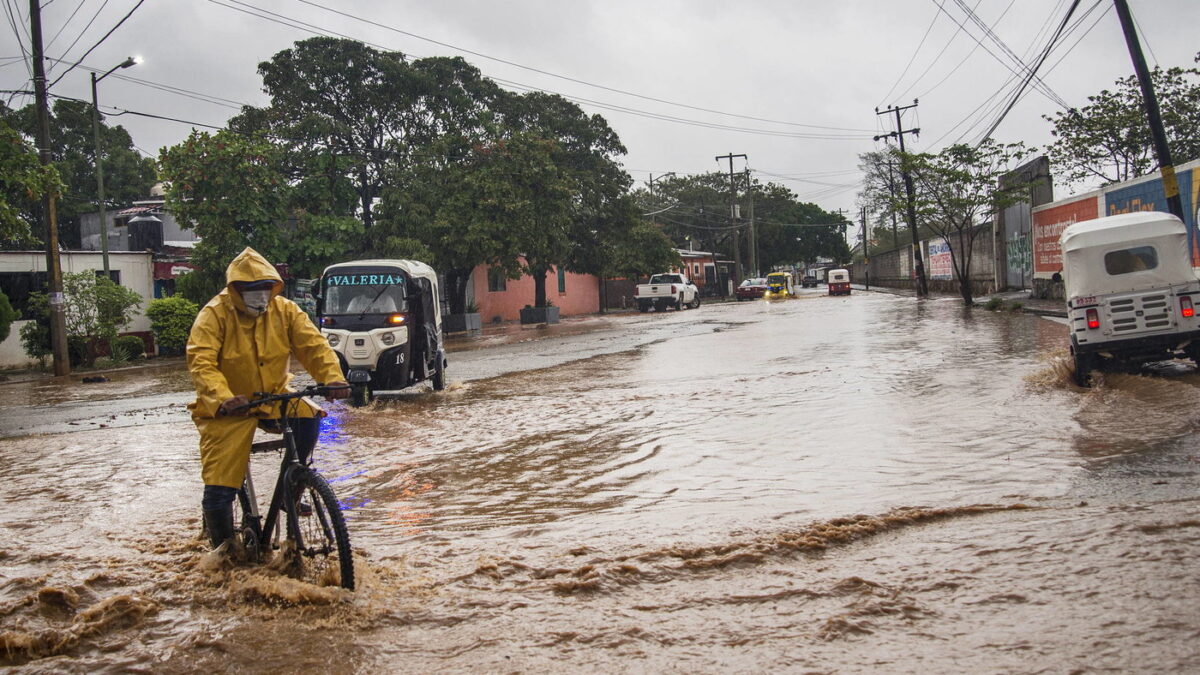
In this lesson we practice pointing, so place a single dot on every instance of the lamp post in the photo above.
(99, 162)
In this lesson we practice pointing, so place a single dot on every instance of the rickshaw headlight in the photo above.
(334, 340)
(388, 339)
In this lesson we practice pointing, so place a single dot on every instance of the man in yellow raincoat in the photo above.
(242, 342)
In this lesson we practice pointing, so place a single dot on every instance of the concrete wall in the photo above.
(137, 274)
(893, 268)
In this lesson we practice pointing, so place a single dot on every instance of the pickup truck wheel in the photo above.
(696, 303)
(679, 304)
(1084, 365)
(643, 307)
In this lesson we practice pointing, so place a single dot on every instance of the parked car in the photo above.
(808, 281)
(839, 282)
(751, 289)
(1131, 292)
(667, 290)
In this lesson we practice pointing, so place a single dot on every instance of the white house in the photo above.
(23, 272)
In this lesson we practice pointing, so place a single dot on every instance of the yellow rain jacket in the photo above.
(230, 353)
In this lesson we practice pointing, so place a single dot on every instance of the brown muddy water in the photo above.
(861, 484)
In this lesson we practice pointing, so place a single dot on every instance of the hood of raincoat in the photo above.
(250, 265)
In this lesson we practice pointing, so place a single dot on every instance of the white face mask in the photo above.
(256, 301)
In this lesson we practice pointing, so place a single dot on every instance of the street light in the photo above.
(99, 163)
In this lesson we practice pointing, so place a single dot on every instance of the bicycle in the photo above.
(316, 543)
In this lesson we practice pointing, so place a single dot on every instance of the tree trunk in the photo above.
(456, 291)
(364, 195)
(538, 273)
(961, 261)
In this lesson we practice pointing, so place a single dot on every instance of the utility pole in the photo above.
(753, 237)
(58, 317)
(737, 248)
(866, 258)
(918, 264)
(1170, 183)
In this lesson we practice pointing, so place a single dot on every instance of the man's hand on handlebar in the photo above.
(234, 407)
(339, 389)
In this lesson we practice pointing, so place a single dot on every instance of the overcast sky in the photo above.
(742, 78)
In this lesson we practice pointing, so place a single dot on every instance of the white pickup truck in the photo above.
(667, 290)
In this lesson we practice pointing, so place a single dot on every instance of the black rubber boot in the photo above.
(219, 524)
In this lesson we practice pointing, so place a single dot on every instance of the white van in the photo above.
(1131, 292)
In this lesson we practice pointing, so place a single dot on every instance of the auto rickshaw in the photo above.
(779, 286)
(383, 319)
(839, 282)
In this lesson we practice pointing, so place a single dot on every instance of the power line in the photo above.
(85, 29)
(98, 43)
(65, 23)
(987, 30)
(992, 54)
(961, 61)
(311, 28)
(563, 77)
(911, 59)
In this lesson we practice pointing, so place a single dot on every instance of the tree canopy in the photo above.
(127, 174)
(23, 183)
(1108, 140)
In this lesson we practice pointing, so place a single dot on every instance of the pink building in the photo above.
(501, 299)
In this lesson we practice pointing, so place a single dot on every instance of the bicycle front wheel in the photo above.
(318, 534)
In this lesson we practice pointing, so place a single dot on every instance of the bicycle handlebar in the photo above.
(262, 397)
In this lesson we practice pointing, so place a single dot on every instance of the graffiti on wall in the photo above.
(1019, 257)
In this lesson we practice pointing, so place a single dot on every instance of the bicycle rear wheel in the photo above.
(318, 533)
(247, 528)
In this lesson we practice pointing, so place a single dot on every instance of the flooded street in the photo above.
(864, 483)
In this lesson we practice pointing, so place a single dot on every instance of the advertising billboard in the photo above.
(941, 265)
(1048, 223)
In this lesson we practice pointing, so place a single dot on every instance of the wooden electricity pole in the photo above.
(58, 317)
(737, 248)
(918, 264)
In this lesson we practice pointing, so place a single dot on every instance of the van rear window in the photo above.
(1129, 260)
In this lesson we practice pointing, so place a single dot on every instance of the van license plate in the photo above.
(1086, 300)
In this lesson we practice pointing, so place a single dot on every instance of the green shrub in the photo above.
(7, 316)
(35, 339)
(171, 320)
(198, 287)
(994, 304)
(129, 346)
(79, 351)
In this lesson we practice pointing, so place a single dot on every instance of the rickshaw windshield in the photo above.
(368, 293)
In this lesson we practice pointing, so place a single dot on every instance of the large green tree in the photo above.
(959, 188)
(23, 184)
(573, 230)
(230, 188)
(694, 212)
(1108, 140)
(127, 174)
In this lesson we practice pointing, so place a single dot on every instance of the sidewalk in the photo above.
(1030, 305)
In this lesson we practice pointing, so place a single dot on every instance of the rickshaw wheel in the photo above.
(439, 375)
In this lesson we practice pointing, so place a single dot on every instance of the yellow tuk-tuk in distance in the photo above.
(779, 286)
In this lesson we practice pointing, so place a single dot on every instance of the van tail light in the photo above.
(1185, 306)
(1093, 318)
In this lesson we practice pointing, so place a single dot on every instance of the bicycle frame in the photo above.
(287, 468)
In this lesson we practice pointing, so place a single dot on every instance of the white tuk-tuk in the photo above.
(1130, 292)
(838, 282)
(383, 318)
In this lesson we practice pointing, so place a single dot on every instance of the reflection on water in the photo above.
(688, 500)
